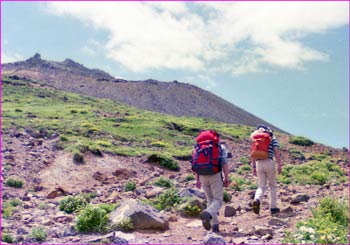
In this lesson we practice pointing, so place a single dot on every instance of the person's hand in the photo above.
(254, 172)
(279, 169)
(198, 184)
(227, 182)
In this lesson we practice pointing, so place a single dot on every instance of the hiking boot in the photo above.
(274, 210)
(215, 228)
(256, 206)
(205, 217)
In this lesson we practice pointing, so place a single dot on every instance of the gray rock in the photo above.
(188, 192)
(142, 216)
(112, 237)
(154, 192)
(230, 211)
(262, 230)
(296, 199)
(278, 222)
(213, 238)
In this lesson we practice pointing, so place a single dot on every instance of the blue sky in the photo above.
(286, 62)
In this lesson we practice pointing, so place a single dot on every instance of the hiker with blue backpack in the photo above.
(264, 147)
(209, 161)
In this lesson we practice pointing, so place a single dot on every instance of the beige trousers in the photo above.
(266, 171)
(214, 192)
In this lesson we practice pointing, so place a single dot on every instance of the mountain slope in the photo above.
(172, 98)
(60, 145)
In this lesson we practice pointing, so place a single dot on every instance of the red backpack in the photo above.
(206, 154)
(260, 145)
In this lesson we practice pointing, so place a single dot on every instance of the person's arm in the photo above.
(198, 182)
(278, 159)
(226, 178)
(253, 163)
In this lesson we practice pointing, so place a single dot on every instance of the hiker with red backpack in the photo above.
(209, 160)
(264, 147)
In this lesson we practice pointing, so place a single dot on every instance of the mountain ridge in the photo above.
(174, 98)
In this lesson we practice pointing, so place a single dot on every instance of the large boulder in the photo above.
(142, 216)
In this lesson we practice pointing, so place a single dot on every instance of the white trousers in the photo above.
(266, 172)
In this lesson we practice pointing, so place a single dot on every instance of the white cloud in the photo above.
(174, 35)
(5, 58)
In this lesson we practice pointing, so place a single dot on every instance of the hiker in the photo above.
(264, 147)
(208, 163)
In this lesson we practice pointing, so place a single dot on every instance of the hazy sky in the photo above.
(286, 62)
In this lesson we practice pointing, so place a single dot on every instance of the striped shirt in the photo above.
(274, 143)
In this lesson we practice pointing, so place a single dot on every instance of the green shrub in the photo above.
(164, 161)
(88, 196)
(190, 210)
(299, 140)
(39, 234)
(329, 225)
(72, 204)
(167, 199)
(238, 183)
(78, 157)
(125, 224)
(92, 219)
(159, 144)
(189, 177)
(64, 138)
(227, 197)
(244, 169)
(130, 186)
(8, 238)
(104, 143)
(335, 210)
(14, 182)
(108, 207)
(163, 182)
(9, 206)
(244, 160)
(295, 154)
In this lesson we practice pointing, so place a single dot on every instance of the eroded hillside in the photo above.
(57, 145)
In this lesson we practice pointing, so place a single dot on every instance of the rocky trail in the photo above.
(49, 174)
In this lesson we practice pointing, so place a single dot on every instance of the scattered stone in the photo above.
(59, 191)
(172, 218)
(296, 199)
(114, 237)
(261, 230)
(195, 223)
(238, 240)
(99, 176)
(213, 238)
(278, 222)
(154, 192)
(188, 192)
(230, 211)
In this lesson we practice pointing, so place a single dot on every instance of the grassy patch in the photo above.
(329, 225)
(123, 130)
(92, 219)
(130, 186)
(299, 140)
(72, 204)
(313, 172)
(163, 182)
(14, 182)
